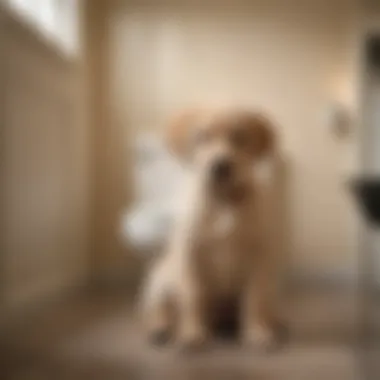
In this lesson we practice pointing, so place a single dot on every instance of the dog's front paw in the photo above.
(190, 340)
(261, 338)
(159, 337)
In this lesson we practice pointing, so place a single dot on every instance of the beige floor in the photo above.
(95, 337)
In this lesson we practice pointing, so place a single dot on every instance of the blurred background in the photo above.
(81, 80)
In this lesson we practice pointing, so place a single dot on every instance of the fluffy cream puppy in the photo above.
(222, 255)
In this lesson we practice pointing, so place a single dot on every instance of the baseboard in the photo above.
(333, 279)
(126, 274)
(50, 289)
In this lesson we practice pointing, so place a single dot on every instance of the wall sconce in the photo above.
(338, 119)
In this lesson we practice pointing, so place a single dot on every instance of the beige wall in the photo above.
(109, 187)
(289, 57)
(43, 169)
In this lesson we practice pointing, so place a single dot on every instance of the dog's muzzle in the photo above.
(222, 170)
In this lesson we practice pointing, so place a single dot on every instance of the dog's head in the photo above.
(222, 146)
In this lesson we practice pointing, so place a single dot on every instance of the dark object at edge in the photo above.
(367, 193)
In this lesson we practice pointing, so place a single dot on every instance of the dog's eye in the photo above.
(238, 138)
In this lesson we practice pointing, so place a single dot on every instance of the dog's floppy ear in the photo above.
(179, 132)
(262, 136)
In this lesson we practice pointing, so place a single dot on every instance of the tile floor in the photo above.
(95, 336)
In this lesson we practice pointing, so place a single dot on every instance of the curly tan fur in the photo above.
(223, 245)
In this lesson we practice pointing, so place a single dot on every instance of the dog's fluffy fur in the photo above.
(224, 247)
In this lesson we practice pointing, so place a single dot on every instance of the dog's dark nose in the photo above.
(222, 169)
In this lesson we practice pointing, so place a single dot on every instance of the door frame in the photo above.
(367, 32)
